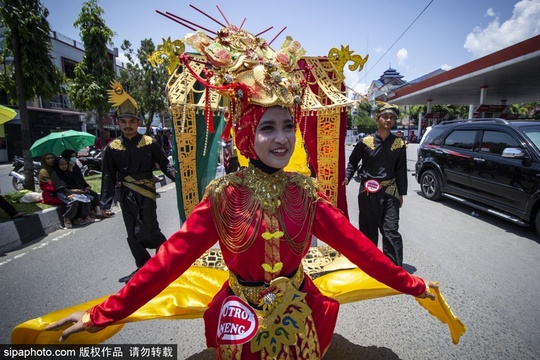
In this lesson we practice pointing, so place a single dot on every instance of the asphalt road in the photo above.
(487, 269)
(5, 180)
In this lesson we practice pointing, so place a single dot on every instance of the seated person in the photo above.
(9, 209)
(45, 184)
(78, 180)
(77, 202)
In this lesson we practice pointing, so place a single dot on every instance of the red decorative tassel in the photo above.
(227, 130)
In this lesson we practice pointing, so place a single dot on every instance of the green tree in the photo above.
(144, 82)
(458, 112)
(32, 71)
(525, 109)
(415, 111)
(93, 75)
(349, 118)
(363, 120)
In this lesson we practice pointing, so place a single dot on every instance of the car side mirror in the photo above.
(514, 153)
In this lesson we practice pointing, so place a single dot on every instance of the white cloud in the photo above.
(402, 55)
(446, 67)
(490, 12)
(524, 24)
(122, 58)
(354, 80)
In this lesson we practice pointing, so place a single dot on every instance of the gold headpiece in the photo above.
(246, 70)
(384, 108)
(126, 106)
(242, 60)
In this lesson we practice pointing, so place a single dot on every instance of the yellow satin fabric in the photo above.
(189, 295)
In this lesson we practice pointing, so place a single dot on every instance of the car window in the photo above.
(463, 139)
(433, 136)
(495, 142)
(533, 133)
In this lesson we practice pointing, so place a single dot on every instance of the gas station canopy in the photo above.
(508, 76)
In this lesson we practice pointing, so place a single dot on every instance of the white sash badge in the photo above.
(238, 323)
(372, 186)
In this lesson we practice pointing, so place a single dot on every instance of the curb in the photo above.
(23, 230)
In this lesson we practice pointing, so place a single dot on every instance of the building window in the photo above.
(68, 67)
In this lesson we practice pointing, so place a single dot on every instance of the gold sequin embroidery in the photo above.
(369, 141)
(145, 141)
(397, 144)
(117, 144)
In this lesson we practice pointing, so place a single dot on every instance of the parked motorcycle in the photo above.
(91, 164)
(18, 173)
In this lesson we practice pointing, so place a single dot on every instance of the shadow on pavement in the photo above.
(507, 226)
(340, 349)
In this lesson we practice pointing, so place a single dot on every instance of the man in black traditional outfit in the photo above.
(128, 163)
(383, 182)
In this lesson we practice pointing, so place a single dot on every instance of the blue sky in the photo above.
(414, 37)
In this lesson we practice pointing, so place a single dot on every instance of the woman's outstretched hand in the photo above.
(75, 319)
(427, 293)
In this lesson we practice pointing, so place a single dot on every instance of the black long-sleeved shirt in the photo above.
(380, 159)
(136, 158)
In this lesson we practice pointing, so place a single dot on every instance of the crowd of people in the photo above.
(62, 183)
(164, 139)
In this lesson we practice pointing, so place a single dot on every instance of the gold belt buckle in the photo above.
(253, 293)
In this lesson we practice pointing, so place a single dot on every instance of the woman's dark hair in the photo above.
(66, 154)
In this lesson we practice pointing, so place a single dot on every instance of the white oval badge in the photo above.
(238, 323)
(372, 186)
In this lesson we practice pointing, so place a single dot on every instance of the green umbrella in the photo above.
(57, 142)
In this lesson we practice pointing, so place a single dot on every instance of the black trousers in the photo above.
(7, 207)
(140, 219)
(380, 212)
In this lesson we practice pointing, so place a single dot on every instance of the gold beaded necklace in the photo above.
(257, 193)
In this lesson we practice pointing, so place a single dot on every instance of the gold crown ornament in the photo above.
(125, 105)
(245, 69)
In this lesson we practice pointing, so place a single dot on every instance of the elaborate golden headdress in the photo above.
(125, 105)
(241, 74)
(247, 71)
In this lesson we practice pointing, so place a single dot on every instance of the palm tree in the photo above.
(93, 75)
(33, 69)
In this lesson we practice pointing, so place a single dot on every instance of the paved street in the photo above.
(5, 179)
(487, 269)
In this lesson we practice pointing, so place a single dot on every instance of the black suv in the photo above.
(492, 165)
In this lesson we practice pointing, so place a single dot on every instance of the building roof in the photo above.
(510, 75)
(389, 75)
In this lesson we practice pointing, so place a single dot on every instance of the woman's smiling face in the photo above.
(275, 137)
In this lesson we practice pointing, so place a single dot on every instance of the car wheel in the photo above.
(430, 185)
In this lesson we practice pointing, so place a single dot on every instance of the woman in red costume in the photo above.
(263, 218)
(45, 183)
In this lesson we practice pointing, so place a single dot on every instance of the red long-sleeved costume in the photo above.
(201, 231)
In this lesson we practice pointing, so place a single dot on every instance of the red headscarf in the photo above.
(244, 132)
